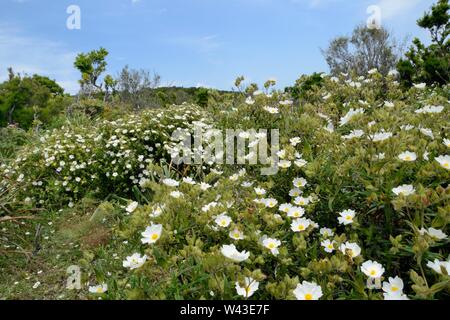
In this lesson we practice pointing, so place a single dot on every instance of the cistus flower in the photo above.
(232, 253)
(350, 248)
(438, 266)
(236, 234)
(372, 269)
(407, 156)
(272, 245)
(346, 216)
(151, 234)
(308, 291)
(249, 288)
(328, 245)
(404, 190)
(394, 286)
(134, 261)
(299, 225)
(223, 220)
(99, 289)
(132, 207)
(444, 161)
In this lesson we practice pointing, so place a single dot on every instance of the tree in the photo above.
(24, 99)
(430, 64)
(91, 66)
(366, 49)
(135, 86)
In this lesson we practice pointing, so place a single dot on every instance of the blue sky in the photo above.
(190, 42)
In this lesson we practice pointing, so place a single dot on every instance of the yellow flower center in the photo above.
(271, 245)
(301, 227)
(223, 223)
(99, 290)
(373, 272)
(408, 158)
(308, 296)
(394, 289)
(236, 235)
(445, 165)
(348, 218)
(330, 246)
(155, 236)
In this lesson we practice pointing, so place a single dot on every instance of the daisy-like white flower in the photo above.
(249, 101)
(260, 191)
(295, 192)
(372, 269)
(354, 134)
(299, 225)
(308, 291)
(420, 86)
(204, 186)
(395, 296)
(301, 201)
(101, 288)
(134, 261)
(326, 232)
(380, 136)
(296, 212)
(171, 182)
(270, 202)
(295, 141)
(300, 163)
(249, 288)
(272, 245)
(394, 286)
(437, 266)
(436, 234)
(223, 220)
(246, 184)
(407, 156)
(346, 217)
(350, 248)
(447, 143)
(328, 245)
(285, 207)
(151, 234)
(232, 253)
(444, 161)
(176, 194)
(132, 207)
(299, 182)
(236, 234)
(271, 110)
(349, 116)
(404, 190)
(188, 180)
(284, 164)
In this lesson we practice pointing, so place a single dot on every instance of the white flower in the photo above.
(380, 136)
(151, 234)
(328, 245)
(270, 202)
(296, 212)
(372, 269)
(204, 186)
(301, 201)
(427, 132)
(132, 207)
(436, 234)
(248, 289)
(308, 291)
(404, 190)
(171, 182)
(300, 163)
(272, 245)
(394, 286)
(407, 156)
(295, 141)
(326, 232)
(232, 253)
(354, 134)
(346, 217)
(249, 101)
(284, 164)
(134, 261)
(260, 191)
(286, 102)
(350, 248)
(395, 296)
(285, 207)
(447, 142)
(102, 288)
(176, 194)
(431, 109)
(372, 71)
(420, 86)
(271, 110)
(299, 225)
(223, 220)
(299, 182)
(188, 180)
(295, 192)
(389, 104)
(350, 114)
(236, 234)
(444, 161)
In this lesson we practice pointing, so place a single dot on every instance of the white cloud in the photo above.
(31, 55)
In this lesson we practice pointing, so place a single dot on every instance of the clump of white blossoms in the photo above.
(393, 290)
(134, 261)
(373, 270)
(346, 216)
(299, 225)
(404, 190)
(408, 156)
(249, 288)
(223, 220)
(171, 182)
(328, 245)
(151, 234)
(99, 289)
(439, 266)
(236, 234)
(299, 182)
(308, 291)
(326, 232)
(232, 253)
(272, 244)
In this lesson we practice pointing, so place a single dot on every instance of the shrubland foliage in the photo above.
(361, 196)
